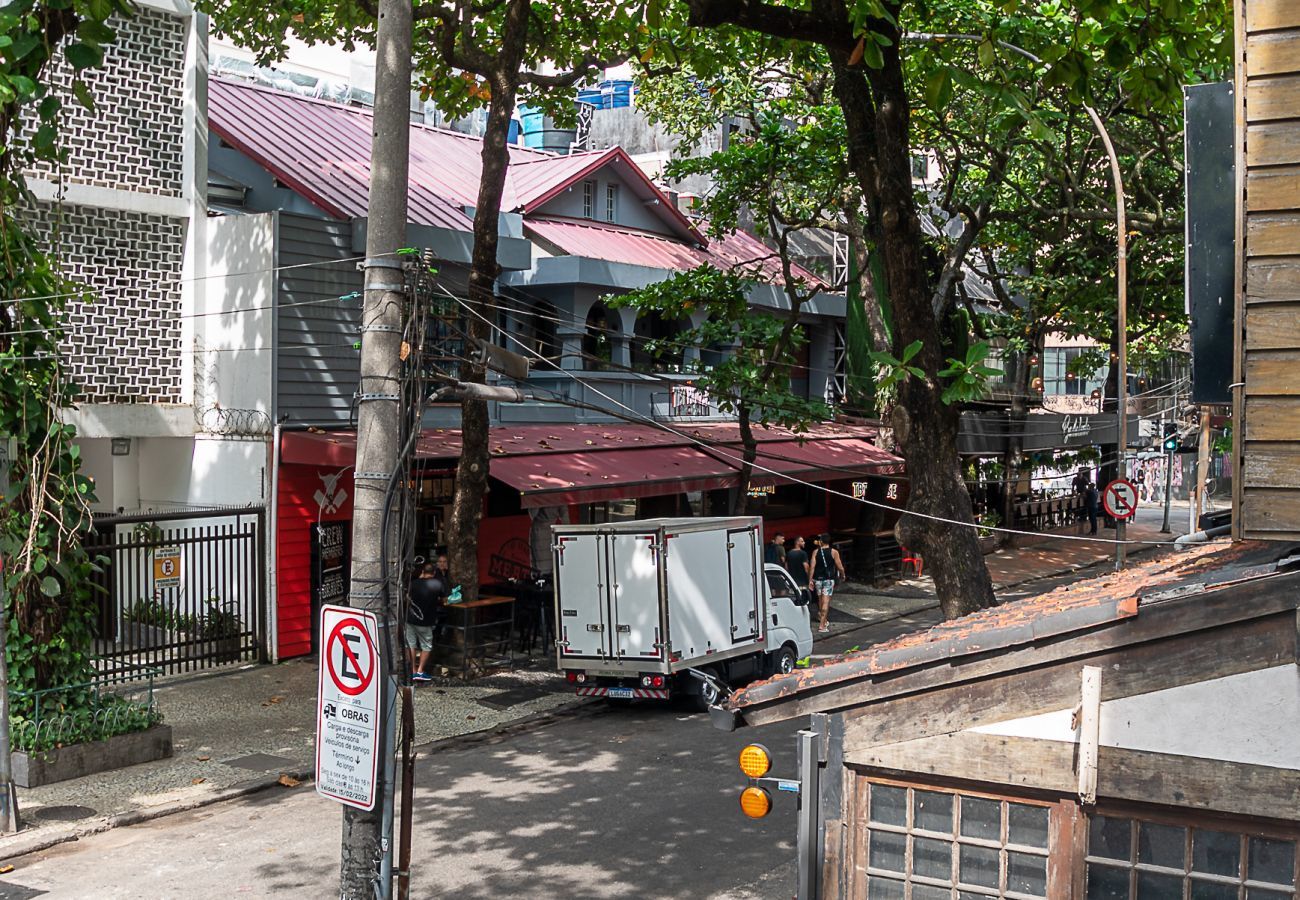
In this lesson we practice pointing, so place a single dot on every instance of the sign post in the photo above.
(347, 719)
(1120, 499)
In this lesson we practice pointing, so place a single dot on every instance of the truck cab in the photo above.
(789, 626)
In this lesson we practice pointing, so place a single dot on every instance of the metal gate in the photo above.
(179, 591)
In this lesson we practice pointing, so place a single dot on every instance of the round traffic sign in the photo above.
(351, 663)
(1120, 499)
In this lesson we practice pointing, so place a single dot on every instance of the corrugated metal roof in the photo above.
(534, 180)
(616, 243)
(322, 151)
(1077, 607)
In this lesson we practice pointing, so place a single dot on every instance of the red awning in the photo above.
(555, 465)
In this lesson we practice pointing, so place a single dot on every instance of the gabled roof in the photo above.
(538, 181)
(322, 151)
(1083, 606)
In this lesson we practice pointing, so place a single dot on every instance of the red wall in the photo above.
(297, 513)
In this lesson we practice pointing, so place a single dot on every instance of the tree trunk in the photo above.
(472, 469)
(876, 118)
(1013, 457)
(749, 453)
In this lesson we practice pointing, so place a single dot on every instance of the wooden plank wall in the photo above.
(1268, 297)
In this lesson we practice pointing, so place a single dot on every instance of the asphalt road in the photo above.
(629, 803)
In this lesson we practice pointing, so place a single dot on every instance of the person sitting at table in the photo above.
(422, 615)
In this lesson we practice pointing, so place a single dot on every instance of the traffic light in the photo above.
(755, 762)
(1171, 438)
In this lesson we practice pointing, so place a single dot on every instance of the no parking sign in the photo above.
(347, 721)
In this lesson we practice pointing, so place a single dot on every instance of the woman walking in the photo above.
(826, 568)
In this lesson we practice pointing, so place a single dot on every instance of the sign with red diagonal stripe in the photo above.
(347, 720)
(1120, 499)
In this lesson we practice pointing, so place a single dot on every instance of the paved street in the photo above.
(638, 802)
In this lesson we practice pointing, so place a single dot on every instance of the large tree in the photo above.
(876, 87)
(468, 56)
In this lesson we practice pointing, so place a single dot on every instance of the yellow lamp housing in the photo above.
(755, 761)
(755, 802)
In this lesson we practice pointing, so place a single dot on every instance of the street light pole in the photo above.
(1121, 325)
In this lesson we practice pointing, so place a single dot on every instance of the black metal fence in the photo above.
(179, 591)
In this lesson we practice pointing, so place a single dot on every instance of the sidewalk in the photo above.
(244, 730)
(251, 729)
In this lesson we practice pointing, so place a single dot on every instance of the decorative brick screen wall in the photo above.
(134, 139)
(126, 346)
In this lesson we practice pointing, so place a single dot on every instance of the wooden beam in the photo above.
(1272, 468)
(1089, 733)
(1267, 15)
(1273, 190)
(1130, 671)
(1275, 234)
(1269, 99)
(1273, 327)
(1275, 376)
(1134, 775)
(1273, 280)
(1267, 510)
(1255, 599)
(1272, 419)
(1274, 144)
(1272, 54)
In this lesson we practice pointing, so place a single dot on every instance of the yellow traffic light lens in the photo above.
(755, 802)
(755, 761)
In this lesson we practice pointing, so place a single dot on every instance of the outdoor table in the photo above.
(485, 627)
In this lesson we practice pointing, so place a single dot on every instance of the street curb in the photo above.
(45, 839)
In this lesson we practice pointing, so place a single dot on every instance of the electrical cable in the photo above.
(823, 488)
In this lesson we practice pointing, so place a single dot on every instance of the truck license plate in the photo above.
(619, 693)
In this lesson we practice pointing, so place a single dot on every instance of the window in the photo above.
(611, 202)
(779, 586)
(920, 167)
(1058, 379)
(589, 199)
(927, 845)
(1134, 858)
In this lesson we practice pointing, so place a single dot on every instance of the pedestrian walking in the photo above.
(422, 614)
(774, 552)
(827, 568)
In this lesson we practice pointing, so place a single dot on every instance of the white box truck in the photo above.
(640, 604)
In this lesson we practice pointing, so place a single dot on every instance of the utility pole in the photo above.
(1169, 486)
(365, 870)
(1202, 467)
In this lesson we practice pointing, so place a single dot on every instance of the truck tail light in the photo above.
(575, 677)
(652, 681)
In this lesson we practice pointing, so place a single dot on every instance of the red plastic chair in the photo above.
(915, 560)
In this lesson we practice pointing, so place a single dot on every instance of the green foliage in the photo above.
(968, 378)
(756, 349)
(458, 47)
(48, 720)
(45, 506)
(895, 371)
(159, 613)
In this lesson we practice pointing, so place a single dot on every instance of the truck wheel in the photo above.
(709, 694)
(783, 660)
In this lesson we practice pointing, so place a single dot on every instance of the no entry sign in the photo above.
(1120, 499)
(347, 721)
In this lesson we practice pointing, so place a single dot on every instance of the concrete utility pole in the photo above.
(1202, 469)
(365, 870)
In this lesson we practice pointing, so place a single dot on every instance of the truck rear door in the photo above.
(582, 596)
(635, 589)
(743, 570)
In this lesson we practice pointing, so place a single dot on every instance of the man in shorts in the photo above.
(427, 590)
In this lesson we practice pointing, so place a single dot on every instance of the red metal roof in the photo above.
(617, 243)
(322, 150)
(557, 464)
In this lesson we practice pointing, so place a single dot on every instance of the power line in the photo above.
(792, 478)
